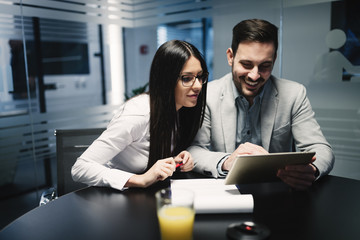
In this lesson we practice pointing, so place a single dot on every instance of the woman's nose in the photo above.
(197, 84)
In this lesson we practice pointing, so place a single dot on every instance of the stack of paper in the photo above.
(213, 196)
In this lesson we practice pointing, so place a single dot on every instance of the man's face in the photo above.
(251, 67)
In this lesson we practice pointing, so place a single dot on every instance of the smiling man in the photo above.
(249, 111)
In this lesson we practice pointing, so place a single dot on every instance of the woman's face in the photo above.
(188, 96)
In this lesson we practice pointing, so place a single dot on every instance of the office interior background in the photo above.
(70, 64)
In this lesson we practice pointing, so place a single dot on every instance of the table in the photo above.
(329, 210)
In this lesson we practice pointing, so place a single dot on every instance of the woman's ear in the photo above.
(230, 56)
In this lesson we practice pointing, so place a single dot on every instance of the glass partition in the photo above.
(18, 97)
(55, 74)
(320, 51)
(334, 82)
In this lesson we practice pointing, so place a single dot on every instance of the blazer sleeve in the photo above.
(308, 135)
(206, 161)
(295, 121)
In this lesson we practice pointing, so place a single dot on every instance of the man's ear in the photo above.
(230, 56)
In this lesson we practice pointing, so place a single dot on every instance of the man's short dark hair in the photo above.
(254, 30)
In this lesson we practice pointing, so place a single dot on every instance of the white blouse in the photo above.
(121, 151)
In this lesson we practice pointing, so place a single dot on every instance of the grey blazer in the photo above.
(286, 117)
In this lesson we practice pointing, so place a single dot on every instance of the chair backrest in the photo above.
(70, 144)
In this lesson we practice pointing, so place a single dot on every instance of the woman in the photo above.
(137, 148)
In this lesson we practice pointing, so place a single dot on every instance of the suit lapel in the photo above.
(268, 112)
(228, 115)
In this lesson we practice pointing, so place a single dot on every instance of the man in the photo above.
(249, 111)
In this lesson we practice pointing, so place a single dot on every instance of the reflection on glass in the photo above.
(329, 67)
(335, 84)
(60, 61)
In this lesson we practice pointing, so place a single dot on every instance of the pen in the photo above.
(179, 164)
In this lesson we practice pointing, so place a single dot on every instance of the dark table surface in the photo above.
(330, 209)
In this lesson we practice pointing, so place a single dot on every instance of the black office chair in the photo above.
(70, 144)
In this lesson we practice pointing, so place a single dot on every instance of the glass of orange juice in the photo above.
(175, 211)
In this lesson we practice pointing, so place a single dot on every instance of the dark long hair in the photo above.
(254, 30)
(169, 128)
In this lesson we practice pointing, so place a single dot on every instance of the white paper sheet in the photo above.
(213, 196)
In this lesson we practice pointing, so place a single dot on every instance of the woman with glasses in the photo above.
(145, 140)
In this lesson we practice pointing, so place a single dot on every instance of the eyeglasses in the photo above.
(189, 80)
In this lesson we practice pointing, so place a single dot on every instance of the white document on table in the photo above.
(213, 196)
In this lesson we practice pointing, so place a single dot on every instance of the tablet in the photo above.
(263, 168)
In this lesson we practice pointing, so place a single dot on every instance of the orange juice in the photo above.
(176, 223)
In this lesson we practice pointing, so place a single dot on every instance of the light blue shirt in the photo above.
(248, 119)
(248, 126)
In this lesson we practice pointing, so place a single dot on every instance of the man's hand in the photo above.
(243, 149)
(299, 177)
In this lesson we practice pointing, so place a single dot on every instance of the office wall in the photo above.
(140, 47)
(304, 31)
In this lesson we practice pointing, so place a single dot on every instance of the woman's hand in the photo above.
(161, 170)
(187, 161)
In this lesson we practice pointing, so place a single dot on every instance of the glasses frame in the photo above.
(204, 79)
